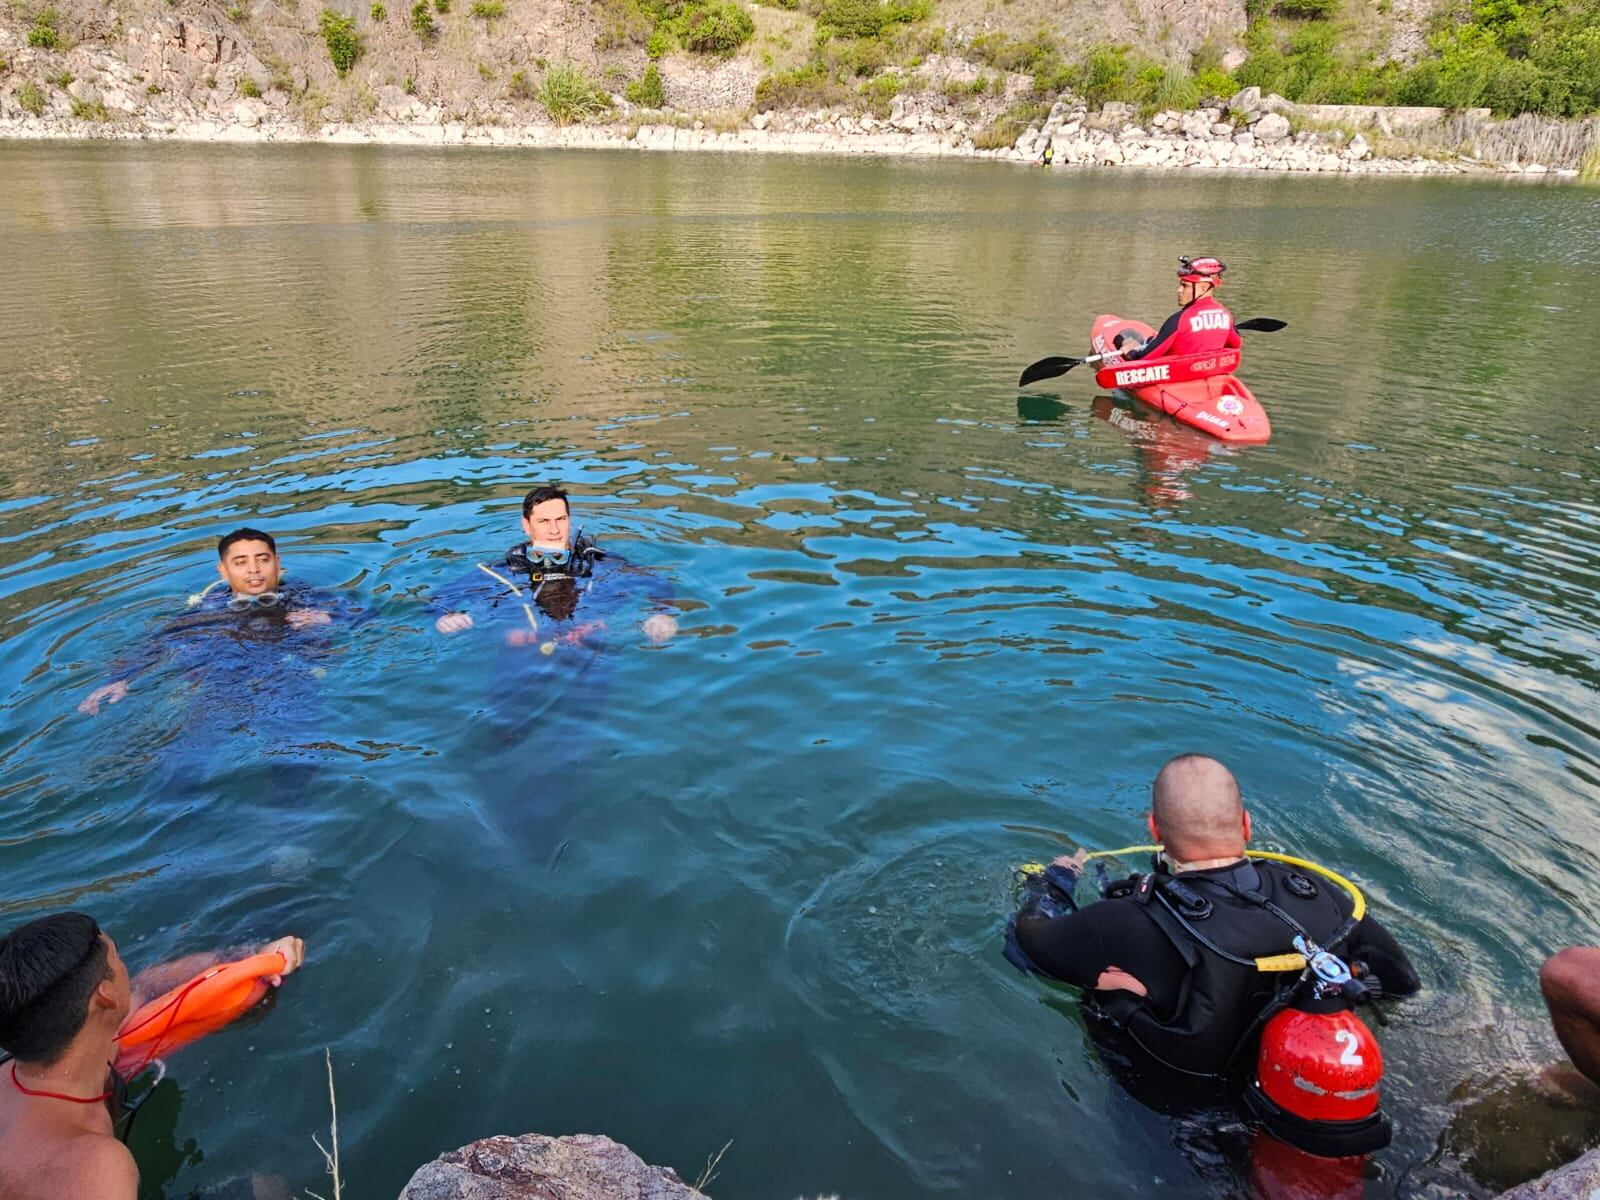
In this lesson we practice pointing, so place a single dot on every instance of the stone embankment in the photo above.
(190, 80)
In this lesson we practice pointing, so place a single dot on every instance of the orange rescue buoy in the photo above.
(216, 997)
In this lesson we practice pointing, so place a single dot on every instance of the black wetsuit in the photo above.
(221, 628)
(1199, 1008)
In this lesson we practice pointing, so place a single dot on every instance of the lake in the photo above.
(749, 885)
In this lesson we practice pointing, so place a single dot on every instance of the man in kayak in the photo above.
(1158, 981)
(64, 995)
(551, 572)
(1201, 325)
(256, 602)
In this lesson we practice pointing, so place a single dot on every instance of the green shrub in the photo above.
(44, 35)
(441, 6)
(489, 10)
(249, 87)
(422, 19)
(660, 42)
(1214, 81)
(343, 43)
(853, 18)
(237, 13)
(811, 86)
(519, 88)
(90, 110)
(569, 95)
(379, 14)
(878, 94)
(31, 97)
(715, 27)
(647, 92)
(1005, 129)
(62, 79)
(1306, 10)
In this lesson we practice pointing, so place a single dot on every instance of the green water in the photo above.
(749, 885)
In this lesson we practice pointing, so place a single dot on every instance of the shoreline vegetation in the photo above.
(1297, 85)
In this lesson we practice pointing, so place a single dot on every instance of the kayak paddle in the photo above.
(1049, 368)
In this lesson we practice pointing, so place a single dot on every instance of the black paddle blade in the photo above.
(1262, 325)
(1047, 368)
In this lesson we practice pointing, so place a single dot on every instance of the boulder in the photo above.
(1221, 129)
(1273, 127)
(1246, 100)
(1196, 126)
(533, 1167)
(761, 120)
(1358, 148)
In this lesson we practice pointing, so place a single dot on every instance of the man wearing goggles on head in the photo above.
(551, 572)
(249, 566)
(1201, 325)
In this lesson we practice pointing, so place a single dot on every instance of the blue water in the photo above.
(748, 885)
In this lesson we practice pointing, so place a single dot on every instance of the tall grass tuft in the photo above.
(569, 95)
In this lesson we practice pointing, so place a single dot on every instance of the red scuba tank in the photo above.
(1317, 1079)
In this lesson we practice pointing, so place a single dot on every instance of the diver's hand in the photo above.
(453, 622)
(294, 954)
(307, 618)
(1115, 979)
(1072, 862)
(109, 693)
(659, 627)
(521, 636)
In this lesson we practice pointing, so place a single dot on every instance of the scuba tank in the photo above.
(1318, 1069)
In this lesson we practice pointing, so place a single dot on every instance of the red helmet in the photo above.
(1200, 270)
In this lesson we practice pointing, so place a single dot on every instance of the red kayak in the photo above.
(1199, 390)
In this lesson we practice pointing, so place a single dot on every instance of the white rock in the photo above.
(761, 120)
(1222, 129)
(1244, 138)
(244, 113)
(1246, 100)
(1535, 169)
(1273, 127)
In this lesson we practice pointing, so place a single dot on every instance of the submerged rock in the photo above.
(585, 1166)
(1578, 1180)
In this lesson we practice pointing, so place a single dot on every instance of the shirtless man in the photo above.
(64, 994)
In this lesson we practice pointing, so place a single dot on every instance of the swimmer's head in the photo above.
(547, 518)
(57, 975)
(247, 560)
(1196, 810)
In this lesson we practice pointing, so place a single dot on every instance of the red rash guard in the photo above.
(1200, 327)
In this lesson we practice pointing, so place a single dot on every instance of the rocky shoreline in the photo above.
(1244, 133)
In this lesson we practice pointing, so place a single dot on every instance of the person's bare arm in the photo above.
(154, 981)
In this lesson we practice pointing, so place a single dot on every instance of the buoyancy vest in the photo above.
(1219, 930)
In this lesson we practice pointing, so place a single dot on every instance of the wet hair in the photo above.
(245, 535)
(545, 491)
(49, 969)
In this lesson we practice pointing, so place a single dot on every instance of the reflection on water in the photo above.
(749, 885)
